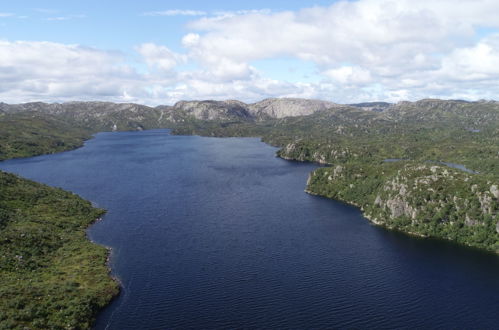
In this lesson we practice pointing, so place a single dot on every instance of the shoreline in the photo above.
(73, 269)
(118, 281)
(110, 274)
(407, 233)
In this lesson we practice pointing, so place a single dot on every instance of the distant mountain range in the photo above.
(121, 116)
(202, 110)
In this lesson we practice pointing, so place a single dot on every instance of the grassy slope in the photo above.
(51, 275)
(29, 134)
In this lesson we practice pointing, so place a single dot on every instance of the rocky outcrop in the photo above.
(214, 110)
(266, 109)
(494, 191)
(202, 110)
(322, 154)
(399, 207)
(421, 199)
(287, 107)
(426, 110)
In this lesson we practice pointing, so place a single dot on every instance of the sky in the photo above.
(160, 52)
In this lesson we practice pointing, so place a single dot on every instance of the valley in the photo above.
(418, 195)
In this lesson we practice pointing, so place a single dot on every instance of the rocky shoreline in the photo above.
(397, 199)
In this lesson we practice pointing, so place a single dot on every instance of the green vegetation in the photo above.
(421, 199)
(51, 275)
(30, 134)
(457, 206)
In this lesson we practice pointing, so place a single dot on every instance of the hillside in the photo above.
(425, 134)
(453, 131)
(51, 275)
(419, 198)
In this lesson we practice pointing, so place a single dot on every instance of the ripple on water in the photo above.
(218, 234)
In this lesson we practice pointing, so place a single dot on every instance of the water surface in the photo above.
(453, 165)
(217, 233)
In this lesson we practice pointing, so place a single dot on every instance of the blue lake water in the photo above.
(213, 233)
(453, 165)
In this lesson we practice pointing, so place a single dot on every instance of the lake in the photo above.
(218, 233)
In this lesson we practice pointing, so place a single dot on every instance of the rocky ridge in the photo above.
(202, 110)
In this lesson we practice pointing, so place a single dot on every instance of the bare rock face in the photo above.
(268, 108)
(337, 170)
(287, 107)
(202, 110)
(213, 110)
(470, 222)
(494, 191)
(398, 207)
(485, 203)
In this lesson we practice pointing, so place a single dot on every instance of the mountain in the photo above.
(104, 116)
(212, 110)
(409, 129)
(96, 116)
(237, 110)
(473, 115)
(122, 116)
(287, 107)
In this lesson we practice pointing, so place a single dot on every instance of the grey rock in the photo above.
(214, 110)
(287, 107)
(494, 191)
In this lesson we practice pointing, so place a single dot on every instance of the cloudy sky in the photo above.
(159, 52)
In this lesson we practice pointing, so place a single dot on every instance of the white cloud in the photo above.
(214, 15)
(160, 57)
(190, 39)
(362, 50)
(46, 10)
(478, 62)
(349, 75)
(65, 18)
(176, 12)
(387, 44)
(224, 14)
(48, 71)
(6, 14)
